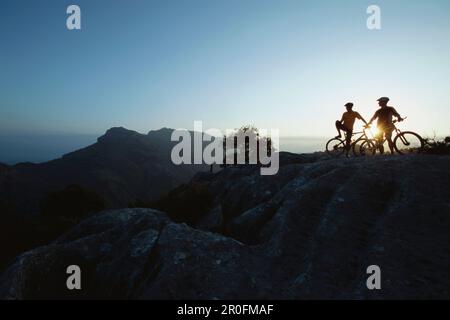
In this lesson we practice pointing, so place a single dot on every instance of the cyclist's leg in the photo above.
(379, 138)
(388, 133)
(348, 140)
(339, 127)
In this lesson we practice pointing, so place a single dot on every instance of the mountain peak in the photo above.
(161, 131)
(117, 132)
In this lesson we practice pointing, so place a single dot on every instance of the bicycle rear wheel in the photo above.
(335, 147)
(367, 148)
(408, 143)
(356, 147)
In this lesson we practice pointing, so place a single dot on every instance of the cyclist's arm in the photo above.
(373, 118)
(360, 117)
(396, 114)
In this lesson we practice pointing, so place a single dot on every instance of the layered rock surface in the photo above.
(309, 232)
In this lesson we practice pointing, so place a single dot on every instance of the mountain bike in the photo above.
(405, 142)
(336, 146)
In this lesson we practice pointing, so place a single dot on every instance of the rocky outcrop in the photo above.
(135, 253)
(309, 232)
(212, 200)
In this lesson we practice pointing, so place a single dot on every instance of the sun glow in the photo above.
(374, 131)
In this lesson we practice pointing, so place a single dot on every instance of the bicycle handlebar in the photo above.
(402, 119)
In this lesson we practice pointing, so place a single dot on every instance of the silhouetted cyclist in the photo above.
(384, 123)
(346, 124)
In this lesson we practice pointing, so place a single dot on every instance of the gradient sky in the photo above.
(286, 64)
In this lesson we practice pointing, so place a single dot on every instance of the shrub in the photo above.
(439, 147)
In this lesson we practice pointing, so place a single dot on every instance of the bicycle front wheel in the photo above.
(335, 147)
(408, 142)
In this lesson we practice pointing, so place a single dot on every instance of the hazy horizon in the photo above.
(20, 147)
(42, 148)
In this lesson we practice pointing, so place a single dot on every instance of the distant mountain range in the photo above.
(122, 167)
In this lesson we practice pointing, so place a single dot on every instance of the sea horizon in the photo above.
(41, 148)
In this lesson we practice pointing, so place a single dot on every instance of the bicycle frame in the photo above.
(397, 133)
(363, 134)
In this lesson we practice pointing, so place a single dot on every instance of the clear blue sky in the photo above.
(286, 64)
